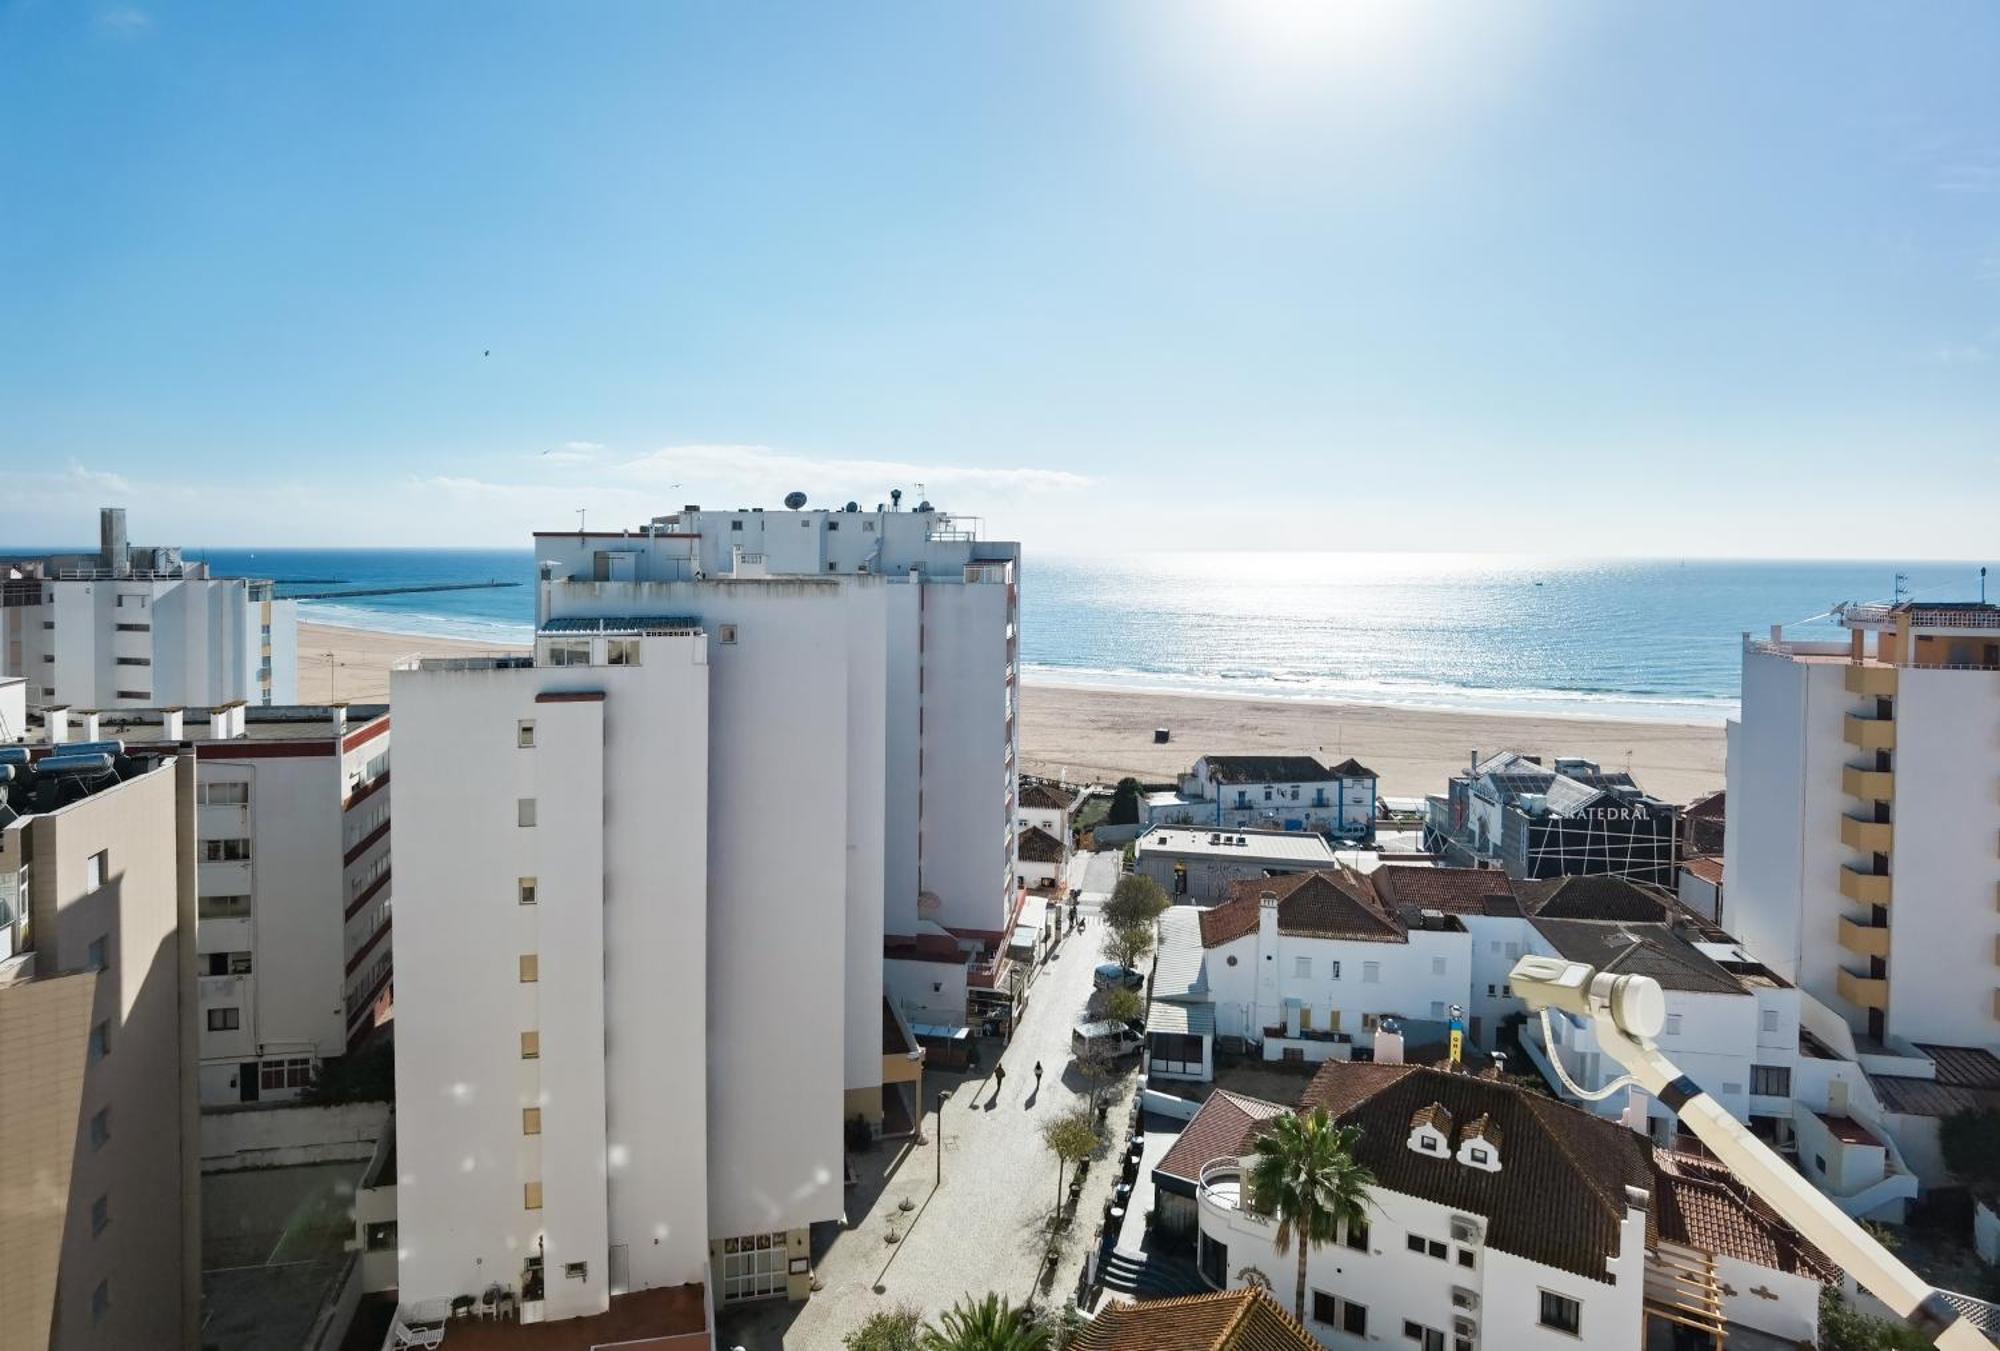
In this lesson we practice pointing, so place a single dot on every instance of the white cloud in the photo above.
(124, 21)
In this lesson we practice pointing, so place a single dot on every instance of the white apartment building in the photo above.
(99, 1140)
(750, 750)
(1864, 806)
(1498, 1217)
(140, 627)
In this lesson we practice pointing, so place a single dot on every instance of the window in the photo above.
(1415, 1243)
(569, 653)
(1561, 1313)
(1435, 1248)
(1771, 1081)
(1357, 1235)
(531, 1195)
(527, 891)
(1302, 967)
(224, 794)
(225, 1020)
(1354, 1318)
(100, 1041)
(1437, 966)
(1465, 1255)
(1769, 1019)
(225, 907)
(225, 851)
(380, 1236)
(531, 968)
(100, 1214)
(576, 1271)
(1326, 1309)
(531, 1046)
(1267, 792)
(1819, 1164)
(1430, 1339)
(1492, 990)
(725, 634)
(621, 652)
(1371, 973)
(123, 628)
(97, 956)
(100, 1300)
(531, 1121)
(1333, 970)
(524, 812)
(1673, 1027)
(1507, 991)
(100, 1128)
(524, 734)
(1731, 1090)
(1513, 949)
(96, 869)
(1437, 1010)
(736, 525)
(133, 661)
(833, 525)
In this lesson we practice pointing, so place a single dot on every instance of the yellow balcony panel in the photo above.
(1875, 681)
(1875, 785)
(1870, 837)
(1864, 940)
(1862, 991)
(1871, 734)
(1864, 888)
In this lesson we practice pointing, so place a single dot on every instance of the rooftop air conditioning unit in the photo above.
(1462, 1298)
(1466, 1328)
(1464, 1229)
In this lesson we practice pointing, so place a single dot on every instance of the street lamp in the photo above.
(943, 1093)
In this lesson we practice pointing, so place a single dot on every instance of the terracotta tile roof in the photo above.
(1456, 891)
(1217, 1132)
(1038, 846)
(1266, 769)
(1351, 768)
(1708, 868)
(1711, 807)
(1324, 903)
(1596, 896)
(1699, 1203)
(1559, 1197)
(1047, 797)
(1229, 1320)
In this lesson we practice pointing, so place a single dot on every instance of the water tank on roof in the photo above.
(925, 505)
(93, 748)
(13, 755)
(71, 762)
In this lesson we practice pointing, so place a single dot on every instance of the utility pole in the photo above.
(332, 666)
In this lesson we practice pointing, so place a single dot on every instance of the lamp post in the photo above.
(943, 1093)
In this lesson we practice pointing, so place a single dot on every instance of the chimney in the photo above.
(171, 723)
(55, 722)
(92, 720)
(1474, 765)
(1634, 1115)
(339, 721)
(116, 553)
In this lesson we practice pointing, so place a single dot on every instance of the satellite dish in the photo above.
(795, 500)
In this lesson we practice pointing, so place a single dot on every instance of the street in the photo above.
(983, 1228)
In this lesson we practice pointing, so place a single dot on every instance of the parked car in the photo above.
(1110, 975)
(1105, 1040)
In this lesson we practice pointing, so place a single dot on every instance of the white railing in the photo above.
(1923, 617)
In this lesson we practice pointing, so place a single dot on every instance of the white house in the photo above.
(140, 627)
(1309, 966)
(1289, 792)
(1049, 807)
(1498, 1217)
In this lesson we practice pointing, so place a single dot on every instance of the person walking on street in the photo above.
(999, 1079)
(1038, 1076)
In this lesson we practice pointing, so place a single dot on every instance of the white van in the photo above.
(1107, 1040)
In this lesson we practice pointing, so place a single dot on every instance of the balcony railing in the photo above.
(1864, 940)
(1871, 734)
(1871, 678)
(1221, 1186)
(1865, 834)
(1872, 785)
(1868, 992)
(1864, 888)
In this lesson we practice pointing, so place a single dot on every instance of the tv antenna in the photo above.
(580, 513)
(1902, 587)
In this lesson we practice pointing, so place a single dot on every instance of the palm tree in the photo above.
(990, 1325)
(1303, 1174)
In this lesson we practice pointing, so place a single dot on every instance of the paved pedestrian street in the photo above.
(983, 1228)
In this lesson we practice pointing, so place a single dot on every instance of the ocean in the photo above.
(1655, 639)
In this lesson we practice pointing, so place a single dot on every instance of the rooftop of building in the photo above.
(1456, 891)
(1654, 950)
(1707, 867)
(1276, 846)
(34, 784)
(1967, 1079)
(1035, 845)
(1281, 769)
(1324, 903)
(668, 1318)
(1598, 896)
(261, 722)
(1043, 795)
(1228, 1320)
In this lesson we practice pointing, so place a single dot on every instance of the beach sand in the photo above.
(1101, 735)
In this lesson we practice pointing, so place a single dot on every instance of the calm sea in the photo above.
(1648, 639)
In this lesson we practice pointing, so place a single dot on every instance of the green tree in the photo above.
(1304, 1175)
(1072, 1138)
(1124, 804)
(1971, 1143)
(1844, 1329)
(992, 1324)
(897, 1329)
(1136, 903)
(1128, 947)
(1124, 1006)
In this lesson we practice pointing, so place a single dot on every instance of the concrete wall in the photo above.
(272, 1137)
(1775, 1302)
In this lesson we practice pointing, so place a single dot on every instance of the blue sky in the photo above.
(1701, 279)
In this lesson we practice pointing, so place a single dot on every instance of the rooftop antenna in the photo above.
(1982, 586)
(580, 513)
(1902, 587)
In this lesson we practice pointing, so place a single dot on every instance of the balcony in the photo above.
(1865, 992)
(1872, 785)
(1864, 940)
(1221, 1188)
(1864, 888)
(1871, 734)
(1865, 835)
(1877, 682)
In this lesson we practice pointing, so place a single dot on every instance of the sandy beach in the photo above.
(1104, 734)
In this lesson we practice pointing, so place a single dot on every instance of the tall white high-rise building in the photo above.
(1864, 811)
(140, 627)
(647, 877)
